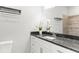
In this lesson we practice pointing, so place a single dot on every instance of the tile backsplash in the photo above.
(72, 27)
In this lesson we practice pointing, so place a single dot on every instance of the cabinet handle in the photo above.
(59, 51)
(41, 50)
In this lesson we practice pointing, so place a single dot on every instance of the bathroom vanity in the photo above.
(60, 44)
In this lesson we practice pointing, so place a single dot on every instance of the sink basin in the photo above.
(49, 37)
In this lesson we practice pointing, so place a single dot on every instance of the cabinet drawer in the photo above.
(60, 49)
(53, 48)
(64, 50)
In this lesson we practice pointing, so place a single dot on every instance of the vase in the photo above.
(40, 33)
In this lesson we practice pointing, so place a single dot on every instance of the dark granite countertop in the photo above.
(71, 43)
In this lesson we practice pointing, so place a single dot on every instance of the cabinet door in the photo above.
(47, 47)
(58, 49)
(35, 46)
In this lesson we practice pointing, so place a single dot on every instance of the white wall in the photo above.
(17, 28)
(58, 11)
(73, 10)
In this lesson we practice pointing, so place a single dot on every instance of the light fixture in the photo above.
(47, 7)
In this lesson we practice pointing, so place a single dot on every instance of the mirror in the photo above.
(64, 19)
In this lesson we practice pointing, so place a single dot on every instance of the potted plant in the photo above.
(40, 27)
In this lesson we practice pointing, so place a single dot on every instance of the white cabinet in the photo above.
(35, 46)
(40, 46)
(53, 48)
